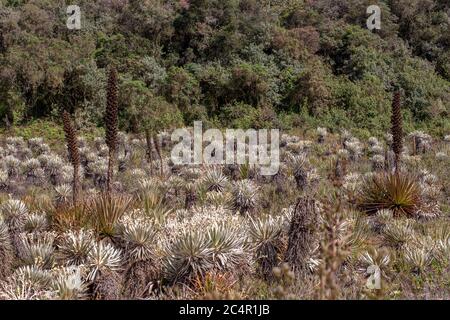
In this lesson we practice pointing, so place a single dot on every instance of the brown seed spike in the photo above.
(74, 155)
(71, 139)
(397, 129)
(111, 115)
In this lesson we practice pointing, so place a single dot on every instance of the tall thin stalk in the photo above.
(332, 251)
(158, 151)
(397, 129)
(74, 156)
(148, 139)
(111, 121)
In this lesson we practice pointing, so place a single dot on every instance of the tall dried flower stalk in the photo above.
(74, 156)
(158, 151)
(148, 139)
(397, 129)
(332, 252)
(111, 120)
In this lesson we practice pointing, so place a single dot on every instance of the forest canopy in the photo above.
(234, 63)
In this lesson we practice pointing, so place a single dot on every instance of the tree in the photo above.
(143, 112)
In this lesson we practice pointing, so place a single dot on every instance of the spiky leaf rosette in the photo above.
(14, 211)
(300, 170)
(188, 257)
(139, 236)
(20, 288)
(74, 246)
(265, 236)
(397, 127)
(68, 283)
(398, 232)
(214, 179)
(71, 139)
(106, 212)
(34, 274)
(37, 249)
(228, 246)
(62, 193)
(244, 196)
(6, 251)
(399, 193)
(111, 115)
(103, 257)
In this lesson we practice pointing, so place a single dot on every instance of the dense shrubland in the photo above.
(241, 63)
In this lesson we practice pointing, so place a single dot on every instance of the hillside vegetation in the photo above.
(94, 205)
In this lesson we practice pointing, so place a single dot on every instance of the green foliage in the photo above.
(244, 116)
(142, 110)
(240, 63)
(40, 128)
(182, 88)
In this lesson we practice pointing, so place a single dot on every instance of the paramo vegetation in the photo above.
(115, 218)
(92, 205)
